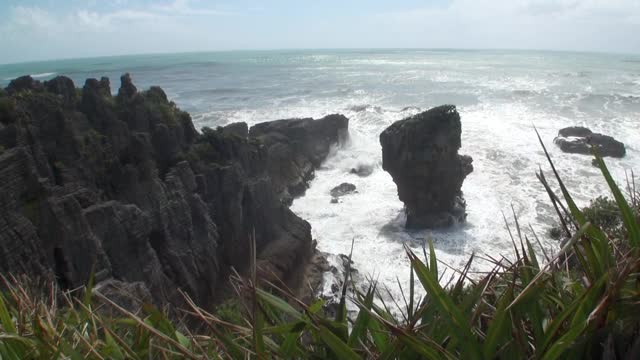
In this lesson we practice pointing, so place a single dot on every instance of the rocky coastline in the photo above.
(125, 188)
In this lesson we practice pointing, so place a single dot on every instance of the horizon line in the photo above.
(161, 53)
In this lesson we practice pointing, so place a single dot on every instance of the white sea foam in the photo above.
(42, 75)
(500, 103)
(506, 153)
(506, 156)
(35, 76)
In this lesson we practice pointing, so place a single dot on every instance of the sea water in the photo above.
(501, 97)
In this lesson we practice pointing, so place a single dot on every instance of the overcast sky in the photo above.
(53, 29)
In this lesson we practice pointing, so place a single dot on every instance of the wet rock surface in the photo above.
(343, 189)
(125, 186)
(338, 268)
(579, 140)
(362, 170)
(296, 147)
(421, 154)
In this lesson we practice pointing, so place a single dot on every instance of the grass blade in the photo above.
(459, 327)
(339, 348)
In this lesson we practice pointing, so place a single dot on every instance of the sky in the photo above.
(59, 29)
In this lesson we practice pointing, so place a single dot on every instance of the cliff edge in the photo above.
(125, 186)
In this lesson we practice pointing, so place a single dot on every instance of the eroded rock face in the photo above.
(296, 147)
(239, 129)
(579, 140)
(421, 154)
(63, 87)
(127, 187)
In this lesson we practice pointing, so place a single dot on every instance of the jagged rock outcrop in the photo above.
(64, 88)
(579, 140)
(125, 186)
(23, 83)
(240, 129)
(421, 154)
(295, 147)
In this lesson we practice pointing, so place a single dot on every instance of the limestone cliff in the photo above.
(125, 186)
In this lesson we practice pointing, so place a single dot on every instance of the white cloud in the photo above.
(184, 8)
(33, 18)
(107, 21)
(125, 26)
(549, 7)
(604, 25)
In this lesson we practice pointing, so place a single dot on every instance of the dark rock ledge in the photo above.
(126, 186)
(421, 154)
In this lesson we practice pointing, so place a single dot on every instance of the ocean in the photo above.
(501, 96)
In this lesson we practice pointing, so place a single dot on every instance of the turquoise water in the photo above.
(500, 95)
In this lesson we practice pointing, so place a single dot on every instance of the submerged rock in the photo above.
(362, 170)
(421, 154)
(579, 140)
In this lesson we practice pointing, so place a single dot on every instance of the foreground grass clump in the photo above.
(583, 302)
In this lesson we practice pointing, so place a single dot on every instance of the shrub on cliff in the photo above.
(604, 213)
(159, 106)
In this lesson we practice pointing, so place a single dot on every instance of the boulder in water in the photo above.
(343, 189)
(421, 154)
(579, 140)
(362, 170)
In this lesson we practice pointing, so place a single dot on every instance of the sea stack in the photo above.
(421, 154)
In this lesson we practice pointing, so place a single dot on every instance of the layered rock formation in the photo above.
(125, 186)
(421, 154)
(579, 140)
(306, 141)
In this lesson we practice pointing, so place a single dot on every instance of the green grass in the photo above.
(582, 302)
